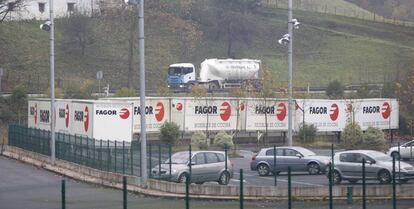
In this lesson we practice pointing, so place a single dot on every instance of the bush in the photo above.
(125, 92)
(199, 139)
(307, 133)
(222, 139)
(169, 132)
(335, 90)
(374, 139)
(352, 136)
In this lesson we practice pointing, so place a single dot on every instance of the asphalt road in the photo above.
(24, 186)
(298, 179)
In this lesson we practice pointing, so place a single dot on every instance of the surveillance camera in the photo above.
(296, 23)
(131, 2)
(46, 26)
(284, 40)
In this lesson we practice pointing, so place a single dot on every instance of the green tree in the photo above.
(59, 93)
(223, 139)
(169, 133)
(352, 136)
(18, 102)
(125, 92)
(79, 89)
(335, 90)
(200, 140)
(78, 31)
(307, 133)
(405, 93)
(374, 139)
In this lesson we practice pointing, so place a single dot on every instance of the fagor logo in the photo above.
(386, 110)
(159, 111)
(179, 106)
(86, 120)
(281, 111)
(225, 111)
(124, 113)
(334, 112)
(67, 116)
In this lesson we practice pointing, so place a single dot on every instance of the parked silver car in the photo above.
(298, 158)
(405, 151)
(205, 166)
(378, 166)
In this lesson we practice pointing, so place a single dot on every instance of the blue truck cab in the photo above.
(181, 76)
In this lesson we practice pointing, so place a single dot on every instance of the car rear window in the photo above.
(211, 157)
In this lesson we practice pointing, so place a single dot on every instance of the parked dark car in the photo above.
(298, 158)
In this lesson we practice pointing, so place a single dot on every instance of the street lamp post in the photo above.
(142, 89)
(290, 52)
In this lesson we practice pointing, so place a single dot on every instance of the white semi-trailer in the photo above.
(216, 74)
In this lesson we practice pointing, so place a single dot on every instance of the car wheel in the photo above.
(352, 181)
(313, 168)
(396, 155)
(336, 177)
(224, 178)
(263, 170)
(384, 177)
(182, 178)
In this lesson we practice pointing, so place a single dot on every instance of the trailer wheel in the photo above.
(213, 86)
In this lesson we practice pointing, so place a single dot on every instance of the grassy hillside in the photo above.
(326, 47)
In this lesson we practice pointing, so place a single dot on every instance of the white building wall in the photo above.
(31, 8)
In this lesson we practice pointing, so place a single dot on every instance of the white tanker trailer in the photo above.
(216, 74)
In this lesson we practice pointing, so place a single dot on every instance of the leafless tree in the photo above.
(7, 6)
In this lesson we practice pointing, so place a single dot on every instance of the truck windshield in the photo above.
(179, 70)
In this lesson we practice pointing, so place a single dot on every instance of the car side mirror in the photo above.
(299, 155)
(370, 162)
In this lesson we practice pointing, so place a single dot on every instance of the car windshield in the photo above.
(179, 158)
(380, 156)
(179, 70)
(305, 152)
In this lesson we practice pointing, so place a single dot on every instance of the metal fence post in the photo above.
(225, 156)
(189, 157)
(169, 156)
(100, 155)
(63, 193)
(187, 192)
(125, 192)
(394, 193)
(115, 156)
(349, 194)
(289, 188)
(82, 157)
(108, 155)
(123, 157)
(132, 157)
(87, 152)
(274, 164)
(399, 163)
(159, 159)
(330, 186)
(364, 204)
(150, 159)
(241, 190)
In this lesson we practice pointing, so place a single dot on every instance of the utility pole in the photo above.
(52, 81)
(141, 38)
(290, 31)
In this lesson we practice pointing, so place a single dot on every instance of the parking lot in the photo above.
(302, 179)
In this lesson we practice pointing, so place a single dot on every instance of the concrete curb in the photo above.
(216, 192)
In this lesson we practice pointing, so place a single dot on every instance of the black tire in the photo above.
(384, 177)
(224, 178)
(314, 168)
(336, 177)
(182, 178)
(353, 181)
(263, 170)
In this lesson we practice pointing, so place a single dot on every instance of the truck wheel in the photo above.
(213, 86)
